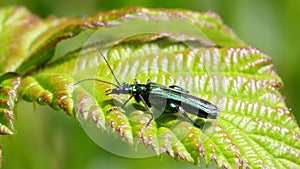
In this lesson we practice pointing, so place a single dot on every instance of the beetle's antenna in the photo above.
(98, 80)
(99, 50)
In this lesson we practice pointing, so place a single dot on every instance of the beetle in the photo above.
(169, 99)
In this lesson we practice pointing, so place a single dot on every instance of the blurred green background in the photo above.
(48, 139)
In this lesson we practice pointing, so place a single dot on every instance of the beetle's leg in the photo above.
(151, 113)
(181, 111)
(110, 110)
(127, 101)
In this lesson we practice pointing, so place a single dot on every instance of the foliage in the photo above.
(254, 129)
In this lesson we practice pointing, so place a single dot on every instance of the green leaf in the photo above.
(9, 84)
(53, 89)
(254, 129)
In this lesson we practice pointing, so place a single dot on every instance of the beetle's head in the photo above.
(123, 89)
